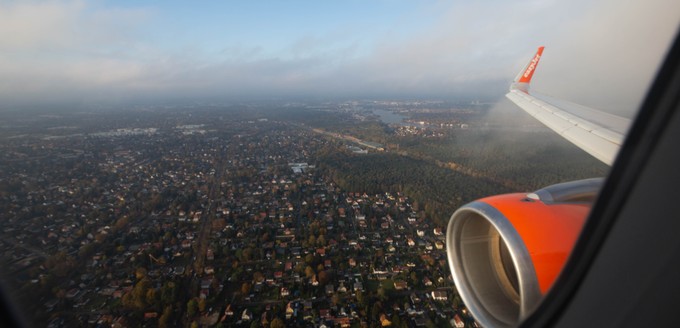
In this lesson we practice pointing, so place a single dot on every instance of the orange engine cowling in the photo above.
(506, 251)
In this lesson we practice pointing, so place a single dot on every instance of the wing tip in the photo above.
(523, 79)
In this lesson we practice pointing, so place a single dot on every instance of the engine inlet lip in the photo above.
(529, 291)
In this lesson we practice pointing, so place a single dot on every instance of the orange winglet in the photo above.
(531, 67)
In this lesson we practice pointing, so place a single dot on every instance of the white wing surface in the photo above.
(598, 133)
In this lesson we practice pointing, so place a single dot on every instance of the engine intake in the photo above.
(506, 251)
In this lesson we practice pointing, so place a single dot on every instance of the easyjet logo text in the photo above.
(532, 66)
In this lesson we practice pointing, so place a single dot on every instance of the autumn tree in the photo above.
(245, 288)
(277, 323)
(201, 305)
(335, 299)
(137, 297)
(163, 321)
(309, 272)
(321, 241)
(140, 272)
(258, 276)
(151, 296)
(309, 259)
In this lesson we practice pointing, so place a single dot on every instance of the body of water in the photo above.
(389, 117)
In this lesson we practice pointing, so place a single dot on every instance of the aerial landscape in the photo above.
(233, 215)
(278, 165)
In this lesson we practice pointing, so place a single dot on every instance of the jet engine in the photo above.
(506, 251)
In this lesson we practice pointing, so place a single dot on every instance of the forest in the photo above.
(494, 154)
(439, 190)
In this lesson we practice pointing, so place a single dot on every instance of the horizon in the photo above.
(80, 53)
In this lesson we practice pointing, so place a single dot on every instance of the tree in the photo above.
(165, 317)
(360, 298)
(414, 278)
(309, 272)
(137, 297)
(300, 268)
(245, 288)
(309, 259)
(140, 273)
(60, 264)
(457, 302)
(321, 241)
(169, 293)
(85, 250)
(247, 254)
(192, 306)
(382, 293)
(258, 276)
(150, 296)
(126, 300)
(121, 223)
(335, 299)
(201, 305)
(376, 310)
(396, 321)
(323, 277)
(277, 323)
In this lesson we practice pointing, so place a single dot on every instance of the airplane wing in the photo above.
(598, 133)
(506, 252)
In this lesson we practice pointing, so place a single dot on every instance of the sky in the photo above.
(598, 53)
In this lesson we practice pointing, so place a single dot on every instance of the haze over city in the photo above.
(81, 53)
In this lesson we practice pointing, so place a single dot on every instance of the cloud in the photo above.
(66, 49)
(608, 57)
(37, 25)
(601, 54)
(65, 26)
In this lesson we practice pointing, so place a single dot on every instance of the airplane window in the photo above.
(283, 164)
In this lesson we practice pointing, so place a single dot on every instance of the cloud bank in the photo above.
(602, 55)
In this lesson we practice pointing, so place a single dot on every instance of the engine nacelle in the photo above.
(506, 251)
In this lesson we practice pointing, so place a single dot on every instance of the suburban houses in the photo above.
(214, 224)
